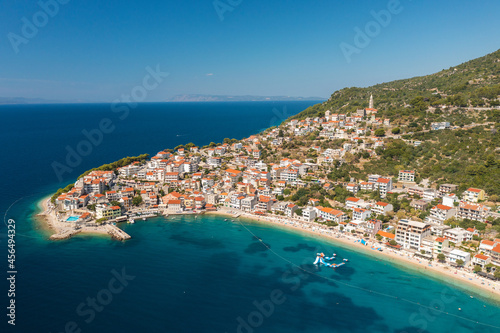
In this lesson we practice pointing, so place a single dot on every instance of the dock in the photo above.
(116, 232)
(65, 234)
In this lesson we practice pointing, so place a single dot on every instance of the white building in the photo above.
(458, 235)
(409, 234)
(459, 255)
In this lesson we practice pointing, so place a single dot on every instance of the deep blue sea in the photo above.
(191, 274)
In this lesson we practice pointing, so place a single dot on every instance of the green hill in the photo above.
(474, 83)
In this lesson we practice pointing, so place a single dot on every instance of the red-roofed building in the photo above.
(382, 208)
(473, 195)
(386, 235)
(440, 213)
(353, 202)
(476, 212)
(481, 260)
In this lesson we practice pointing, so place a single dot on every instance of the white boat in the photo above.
(131, 221)
(144, 219)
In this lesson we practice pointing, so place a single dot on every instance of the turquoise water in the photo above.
(72, 218)
(195, 275)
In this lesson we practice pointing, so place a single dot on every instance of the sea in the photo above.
(190, 274)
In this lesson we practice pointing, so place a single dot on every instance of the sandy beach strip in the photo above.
(49, 221)
(461, 279)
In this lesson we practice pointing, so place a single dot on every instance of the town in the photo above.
(260, 177)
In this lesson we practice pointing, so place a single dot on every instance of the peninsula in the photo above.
(407, 170)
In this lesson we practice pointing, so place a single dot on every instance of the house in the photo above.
(290, 209)
(331, 214)
(367, 186)
(419, 204)
(353, 202)
(406, 176)
(427, 247)
(447, 188)
(439, 126)
(107, 211)
(308, 214)
(360, 214)
(495, 254)
(481, 260)
(457, 235)
(171, 176)
(384, 185)
(440, 213)
(382, 208)
(476, 212)
(473, 195)
(174, 206)
(409, 234)
(248, 203)
(440, 243)
(386, 235)
(459, 255)
(450, 199)
(351, 187)
(373, 226)
(487, 245)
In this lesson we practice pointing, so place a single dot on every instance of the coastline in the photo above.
(460, 280)
(49, 223)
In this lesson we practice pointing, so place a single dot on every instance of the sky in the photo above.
(104, 50)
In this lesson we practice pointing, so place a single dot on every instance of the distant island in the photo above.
(235, 98)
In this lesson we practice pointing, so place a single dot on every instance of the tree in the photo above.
(379, 132)
(298, 212)
(137, 200)
(396, 130)
(477, 269)
(115, 203)
(393, 242)
(497, 274)
(378, 237)
(441, 257)
(460, 262)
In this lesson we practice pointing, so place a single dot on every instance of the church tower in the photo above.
(370, 105)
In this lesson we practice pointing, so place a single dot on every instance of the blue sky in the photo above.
(98, 50)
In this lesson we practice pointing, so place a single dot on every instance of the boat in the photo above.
(131, 221)
(225, 219)
(144, 219)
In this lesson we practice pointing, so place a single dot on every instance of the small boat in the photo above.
(225, 219)
(131, 221)
(144, 219)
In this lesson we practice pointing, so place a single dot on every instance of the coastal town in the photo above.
(272, 177)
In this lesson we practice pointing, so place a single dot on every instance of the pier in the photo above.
(64, 234)
(116, 232)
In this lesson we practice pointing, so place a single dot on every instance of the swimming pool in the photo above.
(72, 218)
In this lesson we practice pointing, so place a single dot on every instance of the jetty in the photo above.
(116, 232)
(64, 234)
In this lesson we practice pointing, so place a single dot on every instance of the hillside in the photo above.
(474, 83)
